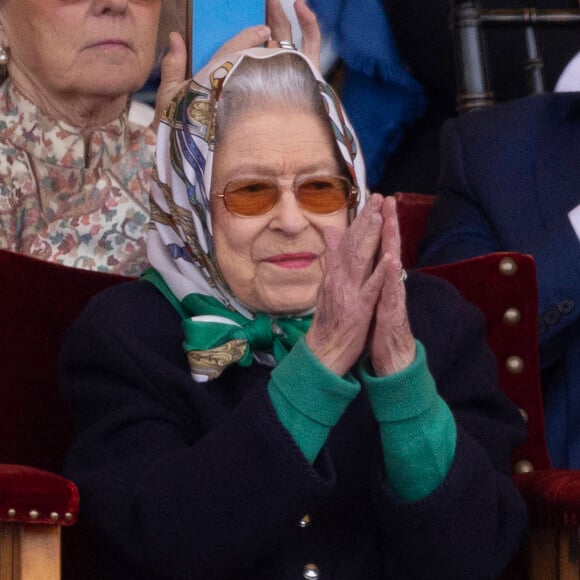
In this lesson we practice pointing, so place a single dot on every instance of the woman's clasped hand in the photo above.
(361, 300)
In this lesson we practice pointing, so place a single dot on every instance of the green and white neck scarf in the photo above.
(218, 329)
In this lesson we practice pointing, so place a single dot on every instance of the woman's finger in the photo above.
(173, 70)
(391, 237)
(361, 242)
(392, 346)
(332, 238)
(349, 290)
(248, 38)
(341, 323)
(278, 22)
(174, 64)
(311, 39)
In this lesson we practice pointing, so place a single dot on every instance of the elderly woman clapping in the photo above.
(275, 399)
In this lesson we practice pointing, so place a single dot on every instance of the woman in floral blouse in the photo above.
(74, 172)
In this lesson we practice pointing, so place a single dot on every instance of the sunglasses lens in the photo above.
(320, 195)
(251, 197)
(323, 195)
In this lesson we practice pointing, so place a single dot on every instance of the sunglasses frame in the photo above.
(350, 202)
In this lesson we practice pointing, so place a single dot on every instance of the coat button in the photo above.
(311, 572)
(566, 306)
(523, 466)
(305, 521)
(552, 316)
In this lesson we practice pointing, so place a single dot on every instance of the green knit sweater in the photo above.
(417, 428)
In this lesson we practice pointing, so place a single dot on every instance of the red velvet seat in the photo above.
(40, 301)
(503, 285)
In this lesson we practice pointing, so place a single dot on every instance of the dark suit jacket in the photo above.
(425, 41)
(510, 175)
(187, 480)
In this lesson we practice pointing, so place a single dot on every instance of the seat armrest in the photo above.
(552, 496)
(33, 496)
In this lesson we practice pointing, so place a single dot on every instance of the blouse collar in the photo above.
(56, 142)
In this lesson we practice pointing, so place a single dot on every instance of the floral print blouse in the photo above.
(77, 200)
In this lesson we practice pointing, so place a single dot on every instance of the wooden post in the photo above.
(30, 552)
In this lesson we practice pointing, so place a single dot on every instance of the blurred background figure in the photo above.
(74, 169)
(423, 35)
(392, 63)
(361, 59)
(74, 172)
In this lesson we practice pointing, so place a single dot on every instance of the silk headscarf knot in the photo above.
(218, 329)
(212, 343)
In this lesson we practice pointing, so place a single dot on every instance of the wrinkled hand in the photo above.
(248, 38)
(392, 345)
(174, 64)
(349, 290)
(282, 29)
(173, 70)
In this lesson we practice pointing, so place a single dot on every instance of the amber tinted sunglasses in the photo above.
(320, 194)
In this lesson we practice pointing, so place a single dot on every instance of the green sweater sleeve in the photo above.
(417, 428)
(308, 398)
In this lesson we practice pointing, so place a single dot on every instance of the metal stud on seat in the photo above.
(514, 364)
(512, 316)
(507, 266)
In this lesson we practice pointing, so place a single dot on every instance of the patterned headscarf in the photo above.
(219, 330)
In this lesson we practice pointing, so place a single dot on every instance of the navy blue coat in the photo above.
(186, 480)
(510, 175)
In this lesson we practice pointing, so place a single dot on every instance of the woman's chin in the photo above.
(113, 78)
(287, 304)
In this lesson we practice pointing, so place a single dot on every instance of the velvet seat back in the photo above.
(40, 300)
(503, 286)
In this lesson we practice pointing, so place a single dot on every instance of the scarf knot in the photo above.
(213, 343)
(259, 333)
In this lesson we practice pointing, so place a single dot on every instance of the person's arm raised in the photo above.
(173, 68)
(282, 29)
(174, 64)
